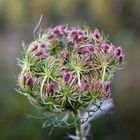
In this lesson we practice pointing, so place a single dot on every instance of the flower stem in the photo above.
(104, 71)
(41, 89)
(79, 131)
(79, 82)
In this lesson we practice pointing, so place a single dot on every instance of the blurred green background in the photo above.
(119, 18)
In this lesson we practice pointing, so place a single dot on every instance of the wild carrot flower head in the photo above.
(68, 69)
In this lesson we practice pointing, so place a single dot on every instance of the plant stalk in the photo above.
(104, 71)
(79, 130)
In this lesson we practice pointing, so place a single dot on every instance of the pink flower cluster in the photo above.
(66, 64)
(95, 86)
(82, 41)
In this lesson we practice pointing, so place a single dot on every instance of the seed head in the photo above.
(69, 69)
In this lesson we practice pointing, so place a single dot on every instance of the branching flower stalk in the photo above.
(67, 72)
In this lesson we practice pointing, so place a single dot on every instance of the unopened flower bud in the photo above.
(70, 44)
(107, 89)
(51, 88)
(118, 51)
(121, 58)
(29, 81)
(38, 50)
(64, 54)
(96, 35)
(85, 86)
(68, 77)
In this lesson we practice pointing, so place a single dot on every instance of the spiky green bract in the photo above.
(66, 71)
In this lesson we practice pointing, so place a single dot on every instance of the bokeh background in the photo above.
(118, 18)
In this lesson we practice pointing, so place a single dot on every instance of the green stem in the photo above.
(79, 131)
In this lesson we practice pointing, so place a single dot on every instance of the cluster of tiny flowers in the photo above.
(68, 68)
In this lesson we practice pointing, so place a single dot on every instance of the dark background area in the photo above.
(118, 18)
